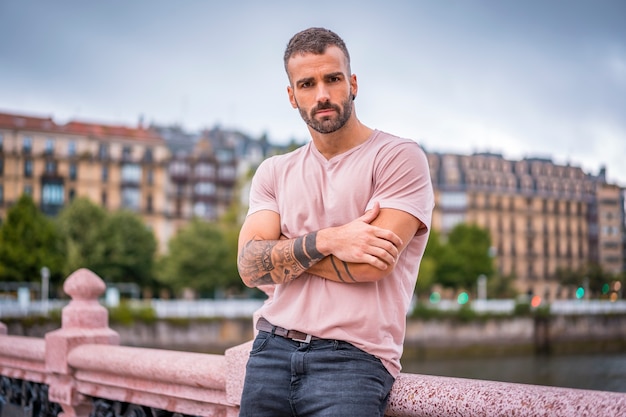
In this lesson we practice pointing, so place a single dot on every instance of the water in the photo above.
(604, 372)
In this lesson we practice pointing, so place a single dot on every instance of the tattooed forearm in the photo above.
(338, 272)
(278, 261)
(255, 261)
(345, 266)
(332, 261)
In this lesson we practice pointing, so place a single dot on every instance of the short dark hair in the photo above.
(315, 41)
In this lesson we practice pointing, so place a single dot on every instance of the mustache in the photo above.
(325, 106)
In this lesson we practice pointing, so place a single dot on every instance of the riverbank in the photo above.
(425, 338)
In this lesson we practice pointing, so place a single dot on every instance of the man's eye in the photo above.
(305, 85)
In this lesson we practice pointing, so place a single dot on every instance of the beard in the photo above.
(328, 124)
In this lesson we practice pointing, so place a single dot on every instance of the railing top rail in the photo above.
(425, 396)
(184, 368)
(23, 347)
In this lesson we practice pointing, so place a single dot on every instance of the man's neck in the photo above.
(352, 134)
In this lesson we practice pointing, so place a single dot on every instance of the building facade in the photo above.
(607, 223)
(208, 171)
(116, 167)
(164, 174)
(542, 217)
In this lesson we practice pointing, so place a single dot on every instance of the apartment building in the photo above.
(206, 169)
(607, 224)
(117, 167)
(542, 217)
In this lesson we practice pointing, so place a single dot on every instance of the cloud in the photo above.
(520, 78)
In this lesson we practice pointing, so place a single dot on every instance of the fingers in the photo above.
(377, 262)
(389, 236)
(386, 251)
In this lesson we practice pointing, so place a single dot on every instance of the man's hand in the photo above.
(361, 242)
(362, 250)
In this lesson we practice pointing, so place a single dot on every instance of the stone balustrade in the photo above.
(83, 360)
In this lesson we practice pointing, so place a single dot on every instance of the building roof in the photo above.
(98, 130)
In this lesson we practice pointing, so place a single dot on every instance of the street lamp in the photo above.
(482, 287)
(45, 281)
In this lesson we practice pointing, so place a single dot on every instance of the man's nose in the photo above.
(322, 93)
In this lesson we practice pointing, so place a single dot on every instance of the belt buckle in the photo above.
(305, 340)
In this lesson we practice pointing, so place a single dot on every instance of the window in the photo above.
(28, 190)
(1, 194)
(1, 166)
(52, 194)
(205, 170)
(227, 172)
(73, 172)
(49, 146)
(131, 173)
(1, 141)
(204, 188)
(71, 148)
(453, 200)
(205, 210)
(224, 155)
(103, 151)
(150, 178)
(27, 144)
(103, 199)
(105, 173)
(127, 152)
(51, 167)
(147, 156)
(72, 194)
(28, 168)
(449, 220)
(149, 208)
(179, 168)
(131, 198)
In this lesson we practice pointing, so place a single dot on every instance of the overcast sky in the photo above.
(521, 78)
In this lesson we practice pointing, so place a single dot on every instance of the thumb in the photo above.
(371, 214)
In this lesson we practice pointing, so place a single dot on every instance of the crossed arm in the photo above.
(363, 250)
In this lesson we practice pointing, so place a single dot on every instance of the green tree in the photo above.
(428, 267)
(81, 224)
(463, 257)
(501, 286)
(128, 250)
(28, 242)
(201, 256)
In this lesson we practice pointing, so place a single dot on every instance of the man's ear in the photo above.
(354, 86)
(292, 98)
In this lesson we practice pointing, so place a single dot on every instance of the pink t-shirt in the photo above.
(311, 193)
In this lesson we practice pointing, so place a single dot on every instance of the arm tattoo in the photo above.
(345, 267)
(332, 261)
(278, 261)
(255, 259)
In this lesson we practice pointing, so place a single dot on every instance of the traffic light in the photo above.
(580, 293)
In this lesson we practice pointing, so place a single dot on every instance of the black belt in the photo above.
(265, 326)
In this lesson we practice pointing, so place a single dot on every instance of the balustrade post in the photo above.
(236, 360)
(83, 321)
(3, 328)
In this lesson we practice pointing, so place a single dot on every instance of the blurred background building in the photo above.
(164, 174)
(543, 218)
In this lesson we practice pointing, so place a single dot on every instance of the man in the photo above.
(338, 227)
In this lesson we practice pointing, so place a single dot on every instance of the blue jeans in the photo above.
(324, 378)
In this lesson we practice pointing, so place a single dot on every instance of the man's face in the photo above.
(321, 89)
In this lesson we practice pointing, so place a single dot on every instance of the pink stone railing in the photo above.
(83, 359)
